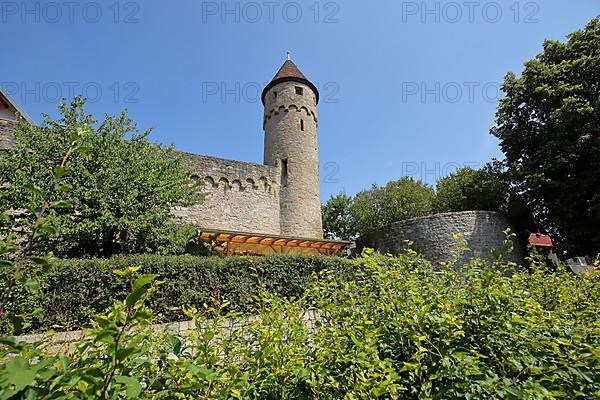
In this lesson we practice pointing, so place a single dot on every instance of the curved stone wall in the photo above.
(433, 236)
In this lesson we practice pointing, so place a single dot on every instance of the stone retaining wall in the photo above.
(433, 236)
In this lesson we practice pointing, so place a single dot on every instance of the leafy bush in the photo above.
(399, 329)
(73, 291)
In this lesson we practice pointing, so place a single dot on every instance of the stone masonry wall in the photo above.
(290, 124)
(433, 235)
(7, 138)
(241, 196)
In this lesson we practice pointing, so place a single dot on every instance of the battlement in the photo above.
(292, 107)
(240, 195)
(231, 174)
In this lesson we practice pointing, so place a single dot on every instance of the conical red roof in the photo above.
(289, 72)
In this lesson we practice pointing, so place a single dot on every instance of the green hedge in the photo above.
(399, 329)
(74, 291)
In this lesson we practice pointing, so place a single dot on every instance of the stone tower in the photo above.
(290, 125)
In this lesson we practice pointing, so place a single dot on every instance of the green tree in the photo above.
(468, 189)
(396, 201)
(117, 193)
(337, 218)
(549, 130)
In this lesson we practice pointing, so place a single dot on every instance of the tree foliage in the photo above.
(117, 193)
(396, 201)
(338, 222)
(549, 128)
(468, 189)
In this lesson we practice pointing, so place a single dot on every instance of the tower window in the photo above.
(302, 125)
(274, 95)
(284, 172)
(299, 90)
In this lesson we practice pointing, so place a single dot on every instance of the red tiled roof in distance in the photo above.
(289, 72)
(539, 240)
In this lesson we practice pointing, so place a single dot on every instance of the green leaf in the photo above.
(132, 386)
(62, 187)
(83, 148)
(34, 189)
(143, 280)
(134, 296)
(139, 288)
(6, 264)
(32, 286)
(62, 204)
(41, 261)
(496, 254)
(172, 345)
(121, 272)
(11, 342)
(19, 374)
(59, 172)
(49, 229)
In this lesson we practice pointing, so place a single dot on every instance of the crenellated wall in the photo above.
(240, 196)
(433, 235)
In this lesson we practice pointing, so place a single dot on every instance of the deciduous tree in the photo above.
(397, 200)
(469, 189)
(549, 129)
(120, 185)
(337, 218)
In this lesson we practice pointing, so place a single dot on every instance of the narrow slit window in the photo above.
(299, 90)
(302, 125)
(284, 172)
(274, 95)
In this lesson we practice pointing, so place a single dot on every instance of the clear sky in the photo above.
(407, 88)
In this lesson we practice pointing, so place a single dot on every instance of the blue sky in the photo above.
(407, 88)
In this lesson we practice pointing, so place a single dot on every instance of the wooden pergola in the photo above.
(233, 242)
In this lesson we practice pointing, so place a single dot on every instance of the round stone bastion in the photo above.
(434, 238)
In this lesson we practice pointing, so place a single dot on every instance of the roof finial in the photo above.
(289, 55)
